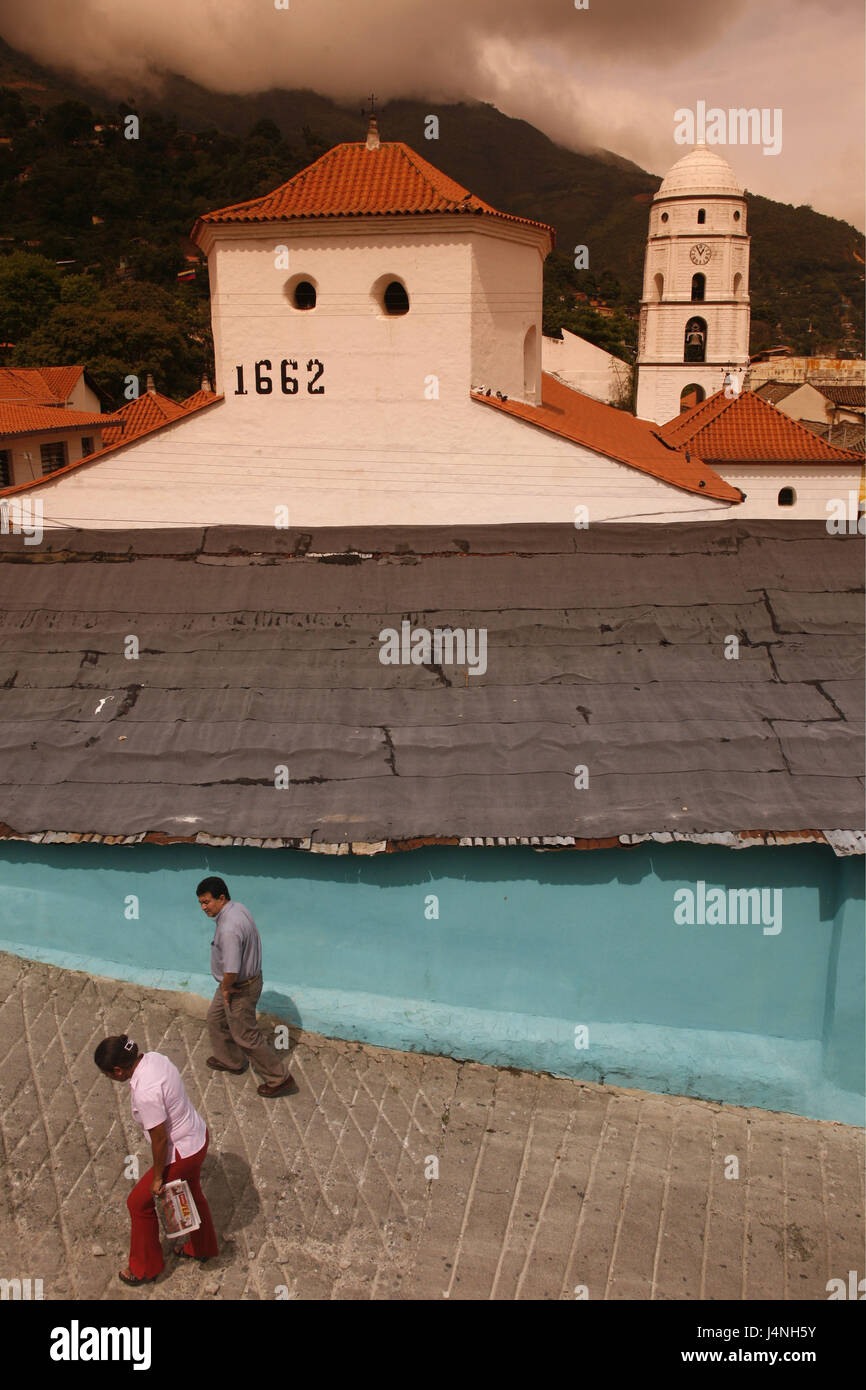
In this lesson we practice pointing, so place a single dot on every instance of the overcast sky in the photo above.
(611, 74)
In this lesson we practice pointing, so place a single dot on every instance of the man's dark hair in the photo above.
(215, 886)
(116, 1052)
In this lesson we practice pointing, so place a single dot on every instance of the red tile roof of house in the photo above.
(38, 385)
(775, 391)
(852, 396)
(354, 181)
(38, 419)
(747, 429)
(616, 434)
(147, 412)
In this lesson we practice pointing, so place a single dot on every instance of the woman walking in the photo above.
(179, 1141)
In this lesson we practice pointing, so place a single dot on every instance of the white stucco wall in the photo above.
(814, 487)
(84, 398)
(506, 289)
(473, 293)
(334, 462)
(585, 367)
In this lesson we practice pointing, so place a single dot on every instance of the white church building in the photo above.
(378, 357)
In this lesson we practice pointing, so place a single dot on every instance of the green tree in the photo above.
(128, 329)
(29, 290)
(13, 112)
(67, 122)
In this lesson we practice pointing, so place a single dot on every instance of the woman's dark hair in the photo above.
(215, 886)
(116, 1052)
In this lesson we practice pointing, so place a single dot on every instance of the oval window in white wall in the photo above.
(302, 292)
(395, 300)
(304, 296)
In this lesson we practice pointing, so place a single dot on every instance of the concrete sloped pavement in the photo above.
(394, 1175)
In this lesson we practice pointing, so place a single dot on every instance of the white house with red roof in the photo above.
(49, 417)
(377, 335)
(781, 467)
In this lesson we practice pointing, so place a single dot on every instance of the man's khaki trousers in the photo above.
(235, 1034)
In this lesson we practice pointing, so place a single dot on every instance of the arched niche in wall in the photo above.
(530, 363)
(390, 296)
(691, 396)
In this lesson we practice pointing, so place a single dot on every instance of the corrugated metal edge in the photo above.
(846, 841)
(842, 842)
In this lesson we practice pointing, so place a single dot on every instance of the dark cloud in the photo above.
(611, 75)
(406, 48)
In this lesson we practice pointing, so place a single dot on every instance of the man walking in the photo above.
(236, 965)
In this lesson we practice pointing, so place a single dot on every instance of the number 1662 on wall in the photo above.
(288, 383)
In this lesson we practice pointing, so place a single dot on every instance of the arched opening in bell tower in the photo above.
(699, 287)
(695, 344)
(691, 395)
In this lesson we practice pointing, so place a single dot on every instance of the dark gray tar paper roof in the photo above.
(605, 650)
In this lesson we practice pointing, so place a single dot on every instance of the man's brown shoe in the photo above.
(220, 1066)
(281, 1088)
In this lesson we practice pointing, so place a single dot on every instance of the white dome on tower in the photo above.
(698, 172)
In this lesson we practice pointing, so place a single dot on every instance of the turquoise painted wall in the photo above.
(527, 947)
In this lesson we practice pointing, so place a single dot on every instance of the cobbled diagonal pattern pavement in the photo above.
(545, 1187)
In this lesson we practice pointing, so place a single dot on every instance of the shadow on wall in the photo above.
(274, 1008)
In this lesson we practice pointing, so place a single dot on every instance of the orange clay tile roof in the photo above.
(37, 419)
(148, 411)
(352, 181)
(852, 396)
(200, 397)
(38, 385)
(747, 429)
(616, 434)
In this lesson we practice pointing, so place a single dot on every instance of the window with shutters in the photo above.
(53, 457)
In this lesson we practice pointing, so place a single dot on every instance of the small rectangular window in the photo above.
(86, 445)
(5, 467)
(53, 457)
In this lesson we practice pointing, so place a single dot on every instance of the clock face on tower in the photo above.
(701, 253)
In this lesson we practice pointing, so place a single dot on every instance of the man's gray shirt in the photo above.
(236, 947)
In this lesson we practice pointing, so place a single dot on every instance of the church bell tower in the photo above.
(694, 319)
